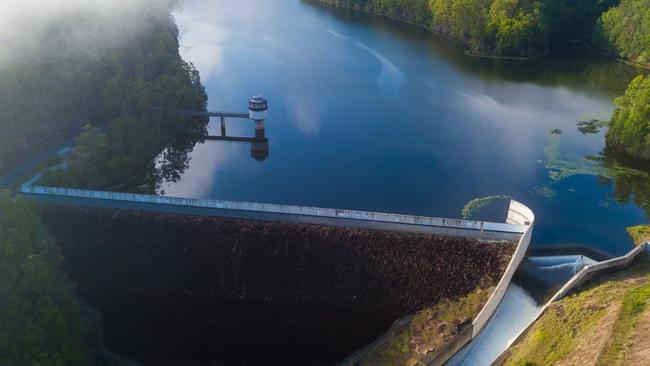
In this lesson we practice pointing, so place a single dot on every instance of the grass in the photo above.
(639, 234)
(635, 302)
(428, 331)
(561, 328)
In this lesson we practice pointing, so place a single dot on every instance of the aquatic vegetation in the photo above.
(543, 190)
(562, 166)
(592, 126)
(475, 205)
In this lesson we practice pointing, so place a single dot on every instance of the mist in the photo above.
(83, 27)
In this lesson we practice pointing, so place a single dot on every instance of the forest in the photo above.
(124, 77)
(629, 130)
(40, 320)
(525, 28)
(117, 86)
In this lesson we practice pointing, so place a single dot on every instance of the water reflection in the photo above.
(163, 175)
(374, 114)
(628, 187)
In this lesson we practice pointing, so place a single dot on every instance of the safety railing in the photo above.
(277, 209)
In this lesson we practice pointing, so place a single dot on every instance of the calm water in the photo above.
(372, 114)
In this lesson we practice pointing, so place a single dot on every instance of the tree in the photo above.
(39, 314)
(625, 31)
(629, 130)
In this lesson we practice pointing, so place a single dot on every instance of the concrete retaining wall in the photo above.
(273, 212)
(518, 214)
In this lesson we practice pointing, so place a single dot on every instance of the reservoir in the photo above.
(373, 114)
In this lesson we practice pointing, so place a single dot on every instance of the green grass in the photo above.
(429, 329)
(639, 234)
(635, 302)
(561, 328)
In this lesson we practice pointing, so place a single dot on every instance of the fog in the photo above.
(87, 24)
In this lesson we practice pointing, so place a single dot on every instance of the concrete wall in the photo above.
(273, 212)
(518, 226)
(518, 214)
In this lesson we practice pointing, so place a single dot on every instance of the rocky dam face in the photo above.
(184, 290)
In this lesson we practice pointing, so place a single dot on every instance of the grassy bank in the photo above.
(606, 324)
(415, 339)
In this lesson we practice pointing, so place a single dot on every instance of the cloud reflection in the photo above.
(202, 175)
(202, 42)
(391, 77)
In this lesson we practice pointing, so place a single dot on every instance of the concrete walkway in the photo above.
(12, 178)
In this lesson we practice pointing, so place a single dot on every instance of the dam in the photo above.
(252, 253)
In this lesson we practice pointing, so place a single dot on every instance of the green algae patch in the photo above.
(475, 205)
(639, 233)
(592, 126)
(543, 190)
(590, 327)
(561, 166)
(415, 339)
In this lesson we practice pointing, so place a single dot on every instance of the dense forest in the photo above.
(525, 27)
(116, 86)
(124, 76)
(629, 129)
(625, 31)
(39, 315)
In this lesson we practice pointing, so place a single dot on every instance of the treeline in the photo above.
(625, 31)
(629, 130)
(148, 82)
(117, 68)
(500, 27)
(39, 314)
(121, 73)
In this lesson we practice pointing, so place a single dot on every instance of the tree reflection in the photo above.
(167, 167)
(629, 188)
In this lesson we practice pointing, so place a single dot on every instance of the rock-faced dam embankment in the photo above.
(176, 289)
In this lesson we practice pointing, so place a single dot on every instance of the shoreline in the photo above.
(467, 52)
(592, 48)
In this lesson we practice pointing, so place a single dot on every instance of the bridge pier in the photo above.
(257, 111)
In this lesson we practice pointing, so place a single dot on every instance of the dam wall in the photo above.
(518, 214)
(208, 289)
(518, 228)
(511, 231)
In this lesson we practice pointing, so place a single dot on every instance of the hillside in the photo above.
(606, 324)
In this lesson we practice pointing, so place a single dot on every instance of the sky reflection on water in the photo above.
(367, 113)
